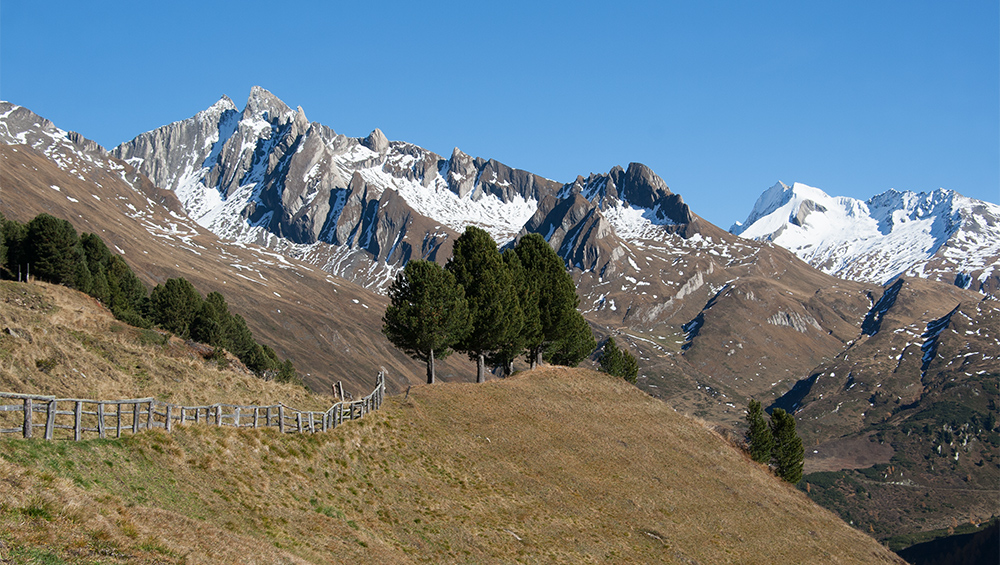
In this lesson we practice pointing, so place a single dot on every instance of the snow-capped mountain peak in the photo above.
(941, 234)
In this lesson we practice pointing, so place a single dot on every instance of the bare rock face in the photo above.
(462, 174)
(376, 141)
(588, 219)
(268, 175)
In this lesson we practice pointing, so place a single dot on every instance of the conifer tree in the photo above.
(619, 362)
(514, 343)
(128, 298)
(53, 250)
(491, 295)
(427, 313)
(575, 342)
(759, 439)
(174, 305)
(788, 455)
(14, 235)
(556, 293)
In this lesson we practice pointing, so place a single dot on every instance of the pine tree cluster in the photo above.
(492, 306)
(776, 443)
(49, 249)
(619, 362)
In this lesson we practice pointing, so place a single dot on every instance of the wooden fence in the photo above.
(65, 418)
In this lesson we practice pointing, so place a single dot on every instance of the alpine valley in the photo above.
(877, 322)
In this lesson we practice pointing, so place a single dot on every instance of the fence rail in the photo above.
(31, 415)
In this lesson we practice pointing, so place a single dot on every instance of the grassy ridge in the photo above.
(554, 465)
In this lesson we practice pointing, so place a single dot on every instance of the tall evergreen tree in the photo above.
(127, 296)
(759, 439)
(619, 362)
(53, 250)
(174, 305)
(427, 313)
(491, 294)
(14, 235)
(788, 455)
(556, 292)
(575, 342)
(514, 344)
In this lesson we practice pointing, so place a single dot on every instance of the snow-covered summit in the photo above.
(940, 235)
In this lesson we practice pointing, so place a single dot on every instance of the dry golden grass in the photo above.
(554, 465)
(56, 341)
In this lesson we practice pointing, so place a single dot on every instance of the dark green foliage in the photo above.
(239, 340)
(556, 297)
(491, 294)
(174, 305)
(55, 254)
(788, 454)
(618, 362)
(427, 314)
(759, 439)
(576, 341)
(53, 251)
(127, 296)
(13, 235)
(207, 325)
(287, 374)
(514, 343)
(99, 287)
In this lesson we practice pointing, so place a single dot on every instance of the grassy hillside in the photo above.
(57, 341)
(554, 465)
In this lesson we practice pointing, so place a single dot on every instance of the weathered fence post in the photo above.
(298, 419)
(168, 423)
(50, 419)
(236, 417)
(77, 415)
(281, 418)
(218, 414)
(149, 416)
(26, 430)
(118, 421)
(100, 420)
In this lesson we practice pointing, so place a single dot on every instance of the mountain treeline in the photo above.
(492, 306)
(50, 250)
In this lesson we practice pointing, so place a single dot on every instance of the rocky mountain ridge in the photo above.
(940, 235)
(361, 207)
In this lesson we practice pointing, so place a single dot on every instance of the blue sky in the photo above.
(721, 99)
